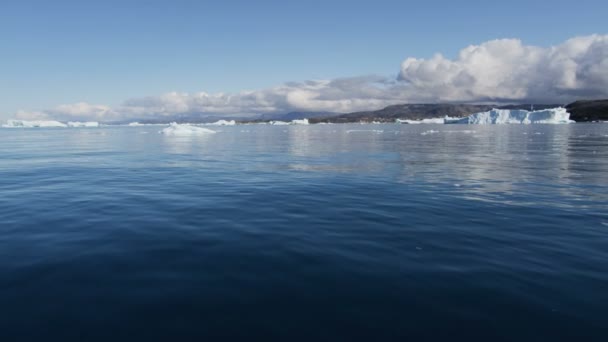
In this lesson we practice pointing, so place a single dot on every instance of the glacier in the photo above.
(32, 124)
(176, 129)
(515, 116)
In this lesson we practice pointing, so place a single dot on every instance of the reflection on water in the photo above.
(485, 162)
(370, 232)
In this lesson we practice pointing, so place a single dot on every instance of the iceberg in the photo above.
(135, 124)
(300, 122)
(31, 124)
(223, 123)
(83, 124)
(279, 123)
(185, 130)
(516, 116)
(423, 121)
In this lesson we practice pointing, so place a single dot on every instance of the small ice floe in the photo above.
(429, 132)
(423, 121)
(176, 129)
(83, 124)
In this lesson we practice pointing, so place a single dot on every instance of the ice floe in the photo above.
(423, 121)
(83, 124)
(293, 122)
(185, 130)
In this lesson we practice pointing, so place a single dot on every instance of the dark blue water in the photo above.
(311, 233)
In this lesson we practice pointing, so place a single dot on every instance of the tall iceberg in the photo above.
(515, 116)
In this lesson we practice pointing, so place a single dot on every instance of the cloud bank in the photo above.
(503, 70)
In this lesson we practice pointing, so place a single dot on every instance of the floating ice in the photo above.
(423, 121)
(185, 130)
(516, 116)
(429, 132)
(279, 123)
(31, 124)
(223, 123)
(134, 124)
(300, 122)
(83, 124)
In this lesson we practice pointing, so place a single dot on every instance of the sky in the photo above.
(115, 59)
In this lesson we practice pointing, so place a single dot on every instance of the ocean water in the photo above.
(305, 233)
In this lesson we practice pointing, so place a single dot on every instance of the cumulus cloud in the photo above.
(504, 70)
(508, 70)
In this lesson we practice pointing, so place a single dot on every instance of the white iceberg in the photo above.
(300, 122)
(423, 121)
(223, 123)
(279, 123)
(516, 116)
(83, 124)
(135, 124)
(185, 130)
(32, 124)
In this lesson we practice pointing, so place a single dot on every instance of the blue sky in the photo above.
(58, 52)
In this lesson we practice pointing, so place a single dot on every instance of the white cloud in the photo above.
(507, 70)
(499, 70)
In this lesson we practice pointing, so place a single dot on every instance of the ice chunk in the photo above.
(135, 124)
(279, 123)
(429, 132)
(223, 123)
(31, 124)
(83, 124)
(299, 122)
(185, 130)
(516, 116)
(423, 121)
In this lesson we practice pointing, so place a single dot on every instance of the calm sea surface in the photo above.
(308, 233)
